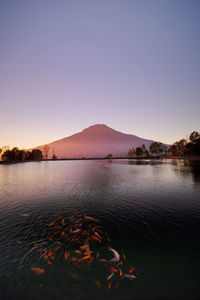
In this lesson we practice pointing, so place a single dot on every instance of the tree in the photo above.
(178, 148)
(36, 154)
(144, 150)
(194, 136)
(109, 156)
(138, 151)
(131, 152)
(157, 148)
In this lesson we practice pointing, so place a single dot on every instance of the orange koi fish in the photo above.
(90, 218)
(62, 222)
(50, 253)
(50, 263)
(57, 248)
(37, 271)
(96, 239)
(112, 269)
(51, 224)
(83, 247)
(124, 256)
(43, 254)
(103, 260)
(98, 284)
(131, 270)
(120, 263)
(84, 258)
(66, 255)
(120, 273)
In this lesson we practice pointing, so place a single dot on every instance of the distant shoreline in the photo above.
(103, 158)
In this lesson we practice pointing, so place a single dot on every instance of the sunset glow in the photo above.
(131, 65)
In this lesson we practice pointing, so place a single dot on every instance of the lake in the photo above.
(150, 209)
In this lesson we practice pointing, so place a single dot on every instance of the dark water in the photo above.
(150, 209)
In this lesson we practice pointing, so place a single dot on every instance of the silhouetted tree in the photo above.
(131, 152)
(20, 155)
(144, 150)
(194, 136)
(109, 156)
(138, 151)
(183, 147)
(36, 154)
(157, 148)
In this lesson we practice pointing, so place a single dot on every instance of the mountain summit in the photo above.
(95, 141)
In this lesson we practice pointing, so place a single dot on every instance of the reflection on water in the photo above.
(149, 208)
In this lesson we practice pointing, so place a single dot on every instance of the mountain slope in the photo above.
(95, 141)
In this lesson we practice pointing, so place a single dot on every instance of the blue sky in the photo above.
(66, 65)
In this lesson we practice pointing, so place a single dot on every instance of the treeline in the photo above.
(187, 148)
(179, 148)
(15, 154)
(155, 148)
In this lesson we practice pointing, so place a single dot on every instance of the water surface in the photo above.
(149, 208)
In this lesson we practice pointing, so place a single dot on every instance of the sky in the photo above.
(133, 65)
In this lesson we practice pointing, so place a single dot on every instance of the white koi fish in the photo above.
(111, 275)
(116, 255)
(129, 276)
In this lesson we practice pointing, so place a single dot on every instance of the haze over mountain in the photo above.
(95, 141)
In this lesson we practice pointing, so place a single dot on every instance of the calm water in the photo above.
(150, 209)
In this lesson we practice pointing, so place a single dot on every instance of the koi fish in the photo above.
(120, 263)
(103, 260)
(66, 255)
(129, 276)
(112, 269)
(50, 263)
(62, 222)
(96, 233)
(116, 255)
(124, 256)
(43, 254)
(90, 218)
(131, 270)
(120, 273)
(50, 253)
(98, 284)
(109, 285)
(96, 239)
(51, 224)
(111, 275)
(77, 230)
(84, 247)
(57, 248)
(84, 258)
(37, 271)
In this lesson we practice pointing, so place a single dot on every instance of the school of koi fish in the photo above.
(79, 241)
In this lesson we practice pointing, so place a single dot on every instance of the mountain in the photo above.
(95, 141)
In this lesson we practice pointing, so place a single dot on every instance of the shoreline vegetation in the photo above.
(183, 149)
(110, 158)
